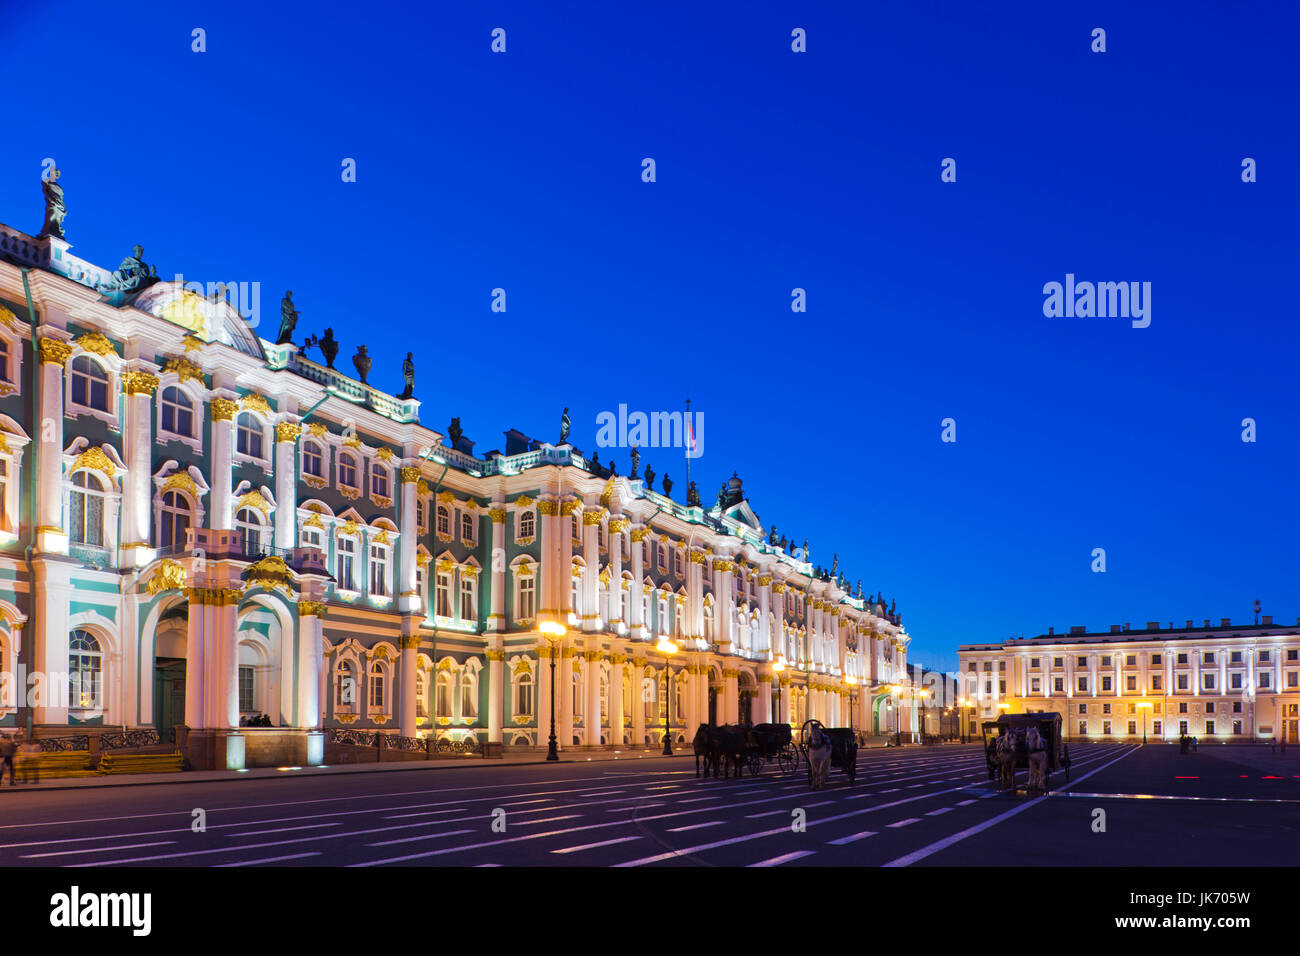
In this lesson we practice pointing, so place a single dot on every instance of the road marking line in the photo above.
(697, 826)
(891, 790)
(851, 838)
(769, 813)
(592, 846)
(422, 836)
(312, 826)
(407, 816)
(905, 823)
(784, 858)
(948, 841)
(280, 859)
(567, 816)
(940, 812)
(966, 803)
(102, 849)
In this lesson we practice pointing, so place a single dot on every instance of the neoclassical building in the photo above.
(200, 526)
(1216, 682)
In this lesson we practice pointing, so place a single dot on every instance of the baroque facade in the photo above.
(1224, 682)
(200, 526)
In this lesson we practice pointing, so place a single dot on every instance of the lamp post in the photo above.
(554, 632)
(668, 649)
(1144, 706)
(778, 667)
(852, 682)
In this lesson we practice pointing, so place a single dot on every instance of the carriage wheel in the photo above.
(787, 760)
(755, 765)
(805, 732)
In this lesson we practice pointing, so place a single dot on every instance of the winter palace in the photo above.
(1220, 681)
(200, 526)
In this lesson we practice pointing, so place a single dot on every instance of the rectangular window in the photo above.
(1236, 682)
(1292, 678)
(1209, 707)
(1236, 657)
(377, 691)
(1236, 707)
(1105, 727)
(1083, 728)
(1105, 660)
(1155, 660)
(442, 595)
(1209, 726)
(1105, 684)
(1130, 683)
(1182, 682)
(1002, 688)
(1209, 681)
(1182, 707)
(1265, 679)
(1105, 708)
(1132, 727)
(1208, 658)
(1034, 686)
(468, 604)
(1182, 727)
(1156, 727)
(1033, 662)
(527, 596)
(1155, 681)
(245, 689)
(378, 570)
(1058, 661)
(345, 573)
(1182, 658)
(1081, 661)
(1083, 708)
(1236, 726)
(1083, 685)
(1058, 685)
(1131, 660)
(1263, 657)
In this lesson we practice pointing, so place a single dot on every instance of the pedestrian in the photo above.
(1182, 744)
(30, 753)
(1283, 746)
(8, 747)
(1194, 745)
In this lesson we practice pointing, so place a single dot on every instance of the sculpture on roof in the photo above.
(636, 461)
(649, 477)
(55, 210)
(362, 361)
(783, 543)
(329, 348)
(835, 564)
(454, 432)
(133, 274)
(668, 486)
(288, 319)
(408, 373)
(564, 426)
(805, 549)
(771, 535)
(859, 588)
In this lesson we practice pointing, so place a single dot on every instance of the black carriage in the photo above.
(1049, 727)
(844, 748)
(771, 742)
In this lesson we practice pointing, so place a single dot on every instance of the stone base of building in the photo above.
(251, 747)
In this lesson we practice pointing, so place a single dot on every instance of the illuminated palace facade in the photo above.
(200, 526)
(1224, 682)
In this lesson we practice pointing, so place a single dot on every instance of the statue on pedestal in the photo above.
(329, 348)
(649, 477)
(133, 274)
(408, 373)
(55, 210)
(668, 486)
(636, 461)
(362, 361)
(288, 319)
(564, 426)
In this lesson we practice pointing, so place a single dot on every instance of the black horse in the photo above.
(704, 747)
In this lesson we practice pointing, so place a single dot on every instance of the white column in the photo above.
(497, 618)
(617, 529)
(286, 485)
(309, 660)
(724, 604)
(223, 420)
(50, 535)
(407, 665)
(634, 600)
(638, 703)
(593, 708)
(591, 556)
(408, 539)
(617, 679)
(496, 694)
(138, 440)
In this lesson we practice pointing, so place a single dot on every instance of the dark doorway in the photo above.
(746, 706)
(168, 696)
(713, 706)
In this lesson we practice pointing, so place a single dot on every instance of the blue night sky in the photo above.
(775, 170)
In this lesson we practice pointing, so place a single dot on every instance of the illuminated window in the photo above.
(527, 524)
(345, 572)
(379, 480)
(313, 460)
(89, 384)
(85, 671)
(87, 510)
(348, 471)
(177, 412)
(248, 436)
(174, 520)
(248, 525)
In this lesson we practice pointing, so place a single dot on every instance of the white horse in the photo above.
(1037, 760)
(1006, 756)
(819, 757)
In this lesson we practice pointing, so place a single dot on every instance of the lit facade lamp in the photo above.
(1144, 706)
(554, 633)
(667, 648)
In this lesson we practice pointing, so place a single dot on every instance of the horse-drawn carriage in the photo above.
(771, 742)
(843, 745)
(1025, 742)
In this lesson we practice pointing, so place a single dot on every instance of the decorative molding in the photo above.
(186, 371)
(95, 460)
(181, 480)
(223, 409)
(96, 343)
(384, 453)
(410, 475)
(317, 429)
(169, 576)
(311, 608)
(254, 499)
(255, 402)
(639, 535)
(271, 573)
(547, 508)
(53, 351)
(287, 432)
(140, 383)
(498, 515)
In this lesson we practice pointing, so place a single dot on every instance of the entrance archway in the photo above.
(171, 639)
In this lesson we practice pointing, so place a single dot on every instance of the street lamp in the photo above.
(778, 667)
(964, 705)
(1144, 706)
(554, 632)
(852, 682)
(667, 648)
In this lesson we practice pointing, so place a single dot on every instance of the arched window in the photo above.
(345, 686)
(466, 527)
(313, 462)
(248, 525)
(420, 519)
(89, 384)
(650, 697)
(378, 681)
(177, 412)
(421, 702)
(248, 436)
(378, 480)
(708, 622)
(442, 701)
(4, 360)
(577, 695)
(524, 695)
(444, 522)
(87, 510)
(348, 470)
(527, 524)
(173, 522)
(85, 671)
(468, 695)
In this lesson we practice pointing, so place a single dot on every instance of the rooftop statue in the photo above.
(362, 361)
(692, 495)
(636, 461)
(408, 373)
(783, 543)
(133, 274)
(835, 564)
(668, 486)
(288, 319)
(329, 348)
(805, 549)
(771, 536)
(859, 587)
(649, 477)
(564, 426)
(55, 210)
(454, 432)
